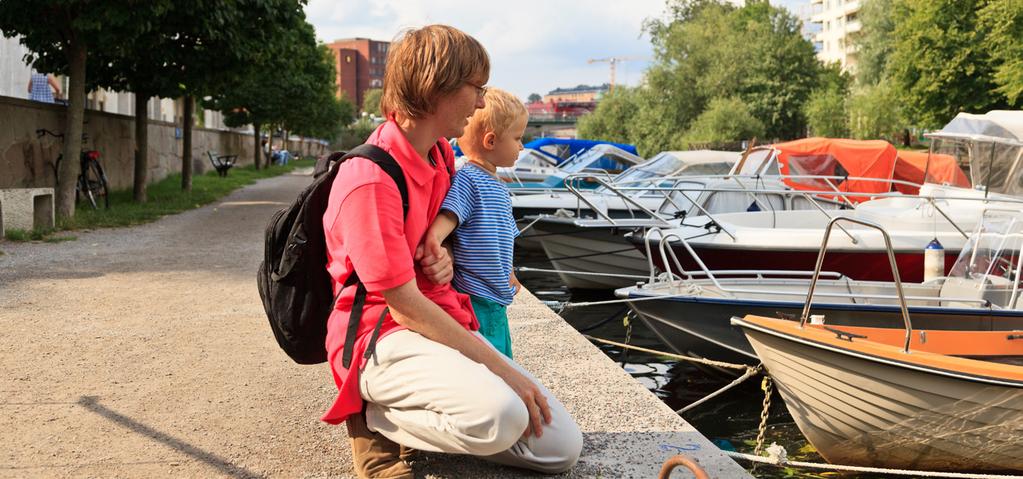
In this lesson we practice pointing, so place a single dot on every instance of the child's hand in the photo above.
(434, 260)
(514, 282)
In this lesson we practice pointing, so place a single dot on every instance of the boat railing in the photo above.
(717, 276)
(891, 261)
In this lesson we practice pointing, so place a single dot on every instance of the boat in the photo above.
(601, 159)
(691, 315)
(988, 146)
(595, 254)
(944, 404)
(574, 202)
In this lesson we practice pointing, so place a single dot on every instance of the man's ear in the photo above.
(489, 140)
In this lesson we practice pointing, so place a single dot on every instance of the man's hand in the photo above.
(536, 402)
(435, 260)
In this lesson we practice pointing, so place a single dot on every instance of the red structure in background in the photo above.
(360, 66)
(555, 110)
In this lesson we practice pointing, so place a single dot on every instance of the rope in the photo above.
(530, 225)
(587, 255)
(748, 374)
(680, 357)
(782, 462)
(581, 273)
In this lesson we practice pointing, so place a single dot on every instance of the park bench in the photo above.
(222, 163)
(25, 209)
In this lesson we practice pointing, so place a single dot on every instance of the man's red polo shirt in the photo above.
(365, 233)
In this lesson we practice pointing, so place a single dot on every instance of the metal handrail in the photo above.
(891, 260)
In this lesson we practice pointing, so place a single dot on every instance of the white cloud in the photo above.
(535, 46)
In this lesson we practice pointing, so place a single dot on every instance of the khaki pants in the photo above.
(427, 396)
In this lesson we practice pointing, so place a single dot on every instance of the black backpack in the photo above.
(293, 279)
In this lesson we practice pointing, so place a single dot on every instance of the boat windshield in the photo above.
(529, 158)
(991, 257)
(597, 159)
(991, 166)
(761, 161)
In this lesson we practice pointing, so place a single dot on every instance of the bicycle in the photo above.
(92, 181)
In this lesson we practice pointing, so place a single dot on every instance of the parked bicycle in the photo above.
(92, 181)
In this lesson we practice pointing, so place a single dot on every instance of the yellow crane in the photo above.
(613, 61)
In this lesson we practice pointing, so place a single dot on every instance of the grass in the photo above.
(165, 198)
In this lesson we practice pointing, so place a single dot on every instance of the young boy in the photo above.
(478, 209)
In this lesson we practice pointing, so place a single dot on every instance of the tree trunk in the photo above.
(258, 151)
(284, 141)
(70, 166)
(186, 143)
(141, 146)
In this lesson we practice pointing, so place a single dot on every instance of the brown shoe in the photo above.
(373, 455)
(408, 454)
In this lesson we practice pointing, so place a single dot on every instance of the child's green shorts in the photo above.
(493, 318)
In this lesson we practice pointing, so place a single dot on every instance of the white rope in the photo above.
(527, 269)
(774, 460)
(530, 225)
(748, 374)
(680, 357)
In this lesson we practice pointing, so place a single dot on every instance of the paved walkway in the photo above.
(144, 352)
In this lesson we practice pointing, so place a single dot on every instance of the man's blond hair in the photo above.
(427, 63)
(501, 110)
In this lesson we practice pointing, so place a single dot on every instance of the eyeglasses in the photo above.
(481, 91)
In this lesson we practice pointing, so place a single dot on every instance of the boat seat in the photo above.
(962, 288)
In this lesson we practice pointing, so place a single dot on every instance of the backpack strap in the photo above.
(390, 166)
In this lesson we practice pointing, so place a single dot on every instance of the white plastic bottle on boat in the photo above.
(934, 260)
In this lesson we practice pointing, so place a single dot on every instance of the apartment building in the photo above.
(360, 66)
(838, 25)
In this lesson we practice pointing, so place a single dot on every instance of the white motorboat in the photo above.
(691, 314)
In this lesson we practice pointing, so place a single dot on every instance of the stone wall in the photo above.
(27, 161)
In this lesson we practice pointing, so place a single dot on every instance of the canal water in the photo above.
(731, 420)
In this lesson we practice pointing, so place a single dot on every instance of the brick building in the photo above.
(360, 66)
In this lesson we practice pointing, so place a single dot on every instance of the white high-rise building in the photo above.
(838, 26)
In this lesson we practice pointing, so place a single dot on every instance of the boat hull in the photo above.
(872, 265)
(861, 411)
(601, 251)
(700, 327)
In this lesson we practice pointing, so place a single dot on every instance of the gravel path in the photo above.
(144, 352)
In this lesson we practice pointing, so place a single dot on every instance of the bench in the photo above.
(222, 163)
(26, 209)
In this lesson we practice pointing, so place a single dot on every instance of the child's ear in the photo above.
(489, 140)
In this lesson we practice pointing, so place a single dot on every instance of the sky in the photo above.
(535, 45)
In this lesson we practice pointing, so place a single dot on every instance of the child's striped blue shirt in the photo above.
(484, 240)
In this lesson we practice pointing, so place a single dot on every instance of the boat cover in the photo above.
(913, 166)
(997, 125)
(838, 157)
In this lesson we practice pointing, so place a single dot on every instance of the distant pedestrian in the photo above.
(478, 210)
(39, 87)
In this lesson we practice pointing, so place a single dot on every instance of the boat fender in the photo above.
(934, 260)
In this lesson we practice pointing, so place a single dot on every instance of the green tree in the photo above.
(610, 121)
(706, 50)
(534, 98)
(825, 111)
(371, 101)
(874, 41)
(940, 63)
(283, 85)
(1003, 20)
(60, 35)
(726, 120)
(875, 112)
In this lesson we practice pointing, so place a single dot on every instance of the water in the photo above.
(730, 420)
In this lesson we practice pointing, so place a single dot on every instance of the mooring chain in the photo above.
(767, 386)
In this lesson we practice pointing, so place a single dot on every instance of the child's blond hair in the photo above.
(427, 63)
(501, 110)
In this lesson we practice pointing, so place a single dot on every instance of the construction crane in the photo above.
(613, 61)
